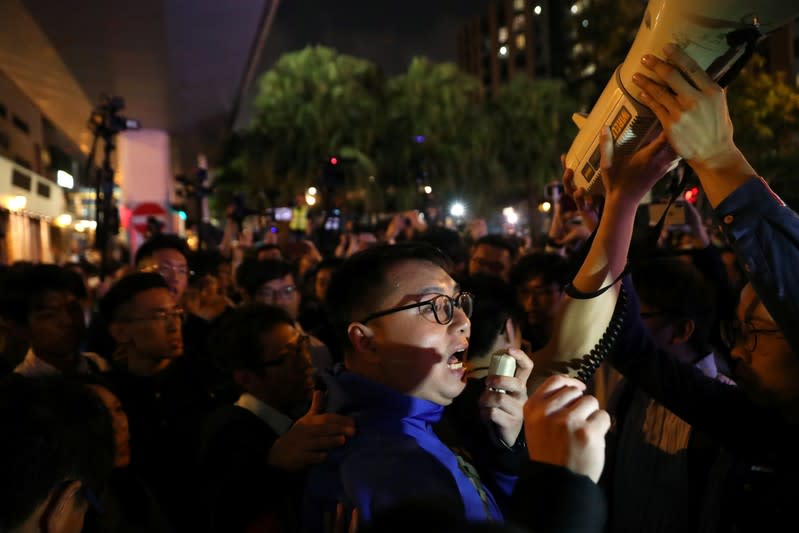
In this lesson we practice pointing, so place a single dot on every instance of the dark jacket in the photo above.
(394, 457)
(165, 413)
(240, 490)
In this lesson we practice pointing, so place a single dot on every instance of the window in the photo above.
(503, 34)
(43, 190)
(521, 41)
(21, 180)
(22, 162)
(518, 5)
(21, 124)
(4, 141)
(518, 23)
(2, 111)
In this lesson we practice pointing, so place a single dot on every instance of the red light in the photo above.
(692, 194)
(334, 161)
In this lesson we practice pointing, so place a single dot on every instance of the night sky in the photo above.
(387, 32)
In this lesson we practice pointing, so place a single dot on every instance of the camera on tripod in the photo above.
(105, 119)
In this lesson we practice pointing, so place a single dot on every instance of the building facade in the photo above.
(517, 38)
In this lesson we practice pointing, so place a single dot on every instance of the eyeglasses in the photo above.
(168, 270)
(442, 306)
(299, 348)
(271, 295)
(166, 317)
(734, 330)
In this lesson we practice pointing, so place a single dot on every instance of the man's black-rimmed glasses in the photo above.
(443, 307)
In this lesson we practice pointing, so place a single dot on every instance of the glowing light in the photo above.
(334, 161)
(510, 215)
(537, 10)
(17, 203)
(83, 225)
(544, 207)
(310, 199)
(503, 51)
(63, 220)
(65, 179)
(183, 215)
(312, 191)
(574, 9)
(428, 189)
(585, 23)
(457, 210)
(419, 139)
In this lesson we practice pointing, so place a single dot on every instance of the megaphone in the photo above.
(720, 35)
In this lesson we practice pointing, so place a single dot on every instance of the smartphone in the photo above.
(501, 364)
(675, 218)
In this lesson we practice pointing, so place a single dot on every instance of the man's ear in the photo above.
(119, 332)
(683, 330)
(62, 506)
(361, 338)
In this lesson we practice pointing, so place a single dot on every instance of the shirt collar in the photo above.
(276, 420)
(33, 366)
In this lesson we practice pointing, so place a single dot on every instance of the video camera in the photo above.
(105, 119)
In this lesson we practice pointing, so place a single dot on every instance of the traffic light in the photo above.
(334, 160)
(691, 195)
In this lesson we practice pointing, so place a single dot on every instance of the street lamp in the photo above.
(510, 215)
(457, 210)
(428, 189)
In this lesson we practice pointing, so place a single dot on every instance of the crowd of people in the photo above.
(197, 391)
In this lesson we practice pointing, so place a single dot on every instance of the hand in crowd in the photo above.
(628, 179)
(692, 109)
(339, 523)
(565, 427)
(698, 230)
(506, 410)
(307, 441)
(587, 205)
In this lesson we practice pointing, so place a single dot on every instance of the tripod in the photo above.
(105, 123)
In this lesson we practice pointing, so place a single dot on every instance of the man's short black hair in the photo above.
(53, 431)
(680, 291)
(498, 241)
(24, 288)
(236, 342)
(551, 268)
(359, 285)
(494, 302)
(252, 273)
(125, 290)
(163, 241)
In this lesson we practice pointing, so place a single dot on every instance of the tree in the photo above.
(533, 125)
(765, 111)
(430, 113)
(312, 105)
